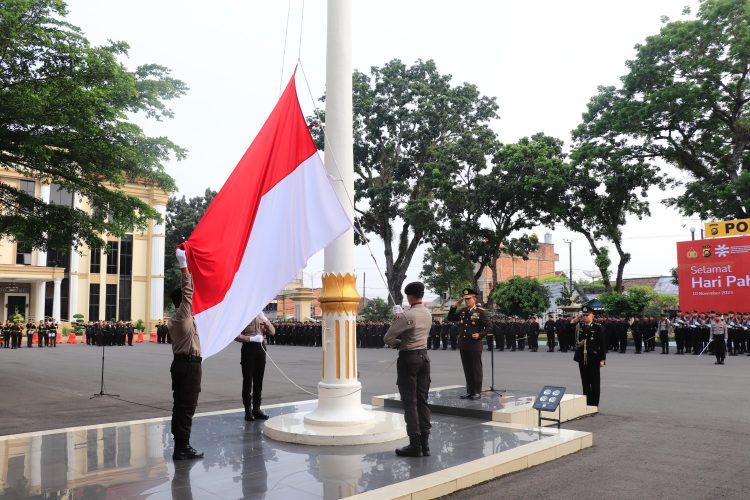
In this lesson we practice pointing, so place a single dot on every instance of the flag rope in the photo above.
(295, 384)
(283, 54)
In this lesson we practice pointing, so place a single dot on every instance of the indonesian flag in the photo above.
(274, 212)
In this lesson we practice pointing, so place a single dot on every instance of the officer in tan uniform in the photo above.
(186, 367)
(409, 332)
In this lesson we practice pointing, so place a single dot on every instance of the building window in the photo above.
(112, 251)
(59, 195)
(94, 291)
(110, 304)
(123, 313)
(126, 255)
(23, 254)
(28, 187)
(58, 258)
(96, 261)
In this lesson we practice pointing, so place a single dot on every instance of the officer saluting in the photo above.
(473, 325)
(409, 332)
(591, 353)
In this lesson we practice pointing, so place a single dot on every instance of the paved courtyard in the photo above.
(669, 426)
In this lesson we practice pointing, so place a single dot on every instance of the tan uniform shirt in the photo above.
(253, 332)
(412, 327)
(182, 325)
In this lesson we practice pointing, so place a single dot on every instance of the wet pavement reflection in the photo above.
(133, 461)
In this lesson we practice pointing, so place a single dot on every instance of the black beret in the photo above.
(469, 291)
(415, 289)
(587, 310)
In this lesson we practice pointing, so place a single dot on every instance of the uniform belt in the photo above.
(413, 351)
(188, 357)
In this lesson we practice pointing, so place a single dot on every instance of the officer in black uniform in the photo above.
(590, 353)
(549, 329)
(473, 323)
(409, 332)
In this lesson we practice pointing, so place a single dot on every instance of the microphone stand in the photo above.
(102, 389)
(492, 370)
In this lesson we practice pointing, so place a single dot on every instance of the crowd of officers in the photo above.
(109, 333)
(12, 334)
(690, 331)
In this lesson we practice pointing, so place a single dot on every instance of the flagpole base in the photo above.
(381, 427)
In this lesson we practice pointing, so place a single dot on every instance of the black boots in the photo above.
(256, 414)
(185, 452)
(413, 449)
(424, 440)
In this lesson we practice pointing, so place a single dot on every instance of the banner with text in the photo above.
(725, 228)
(714, 274)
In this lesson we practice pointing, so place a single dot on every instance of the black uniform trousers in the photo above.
(253, 359)
(472, 364)
(720, 348)
(186, 371)
(413, 369)
(590, 379)
(664, 340)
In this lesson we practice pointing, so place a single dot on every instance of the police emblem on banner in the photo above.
(692, 254)
(707, 251)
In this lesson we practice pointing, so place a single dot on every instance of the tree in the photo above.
(686, 100)
(408, 123)
(568, 296)
(376, 309)
(632, 302)
(524, 297)
(64, 111)
(482, 201)
(444, 272)
(182, 217)
(660, 303)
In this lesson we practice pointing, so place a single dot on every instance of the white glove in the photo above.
(181, 258)
(397, 310)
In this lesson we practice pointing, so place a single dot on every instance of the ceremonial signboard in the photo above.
(714, 274)
(725, 228)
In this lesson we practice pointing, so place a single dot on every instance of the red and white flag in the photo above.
(274, 212)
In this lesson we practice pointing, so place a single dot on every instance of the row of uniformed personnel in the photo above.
(11, 334)
(109, 333)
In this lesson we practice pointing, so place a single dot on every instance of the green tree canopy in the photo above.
(631, 302)
(444, 272)
(524, 297)
(65, 107)
(686, 100)
(376, 309)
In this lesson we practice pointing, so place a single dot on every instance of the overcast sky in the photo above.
(543, 61)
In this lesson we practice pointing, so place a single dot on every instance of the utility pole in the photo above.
(570, 261)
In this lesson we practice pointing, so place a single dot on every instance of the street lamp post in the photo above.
(570, 263)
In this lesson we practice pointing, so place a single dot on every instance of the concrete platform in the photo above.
(513, 406)
(132, 460)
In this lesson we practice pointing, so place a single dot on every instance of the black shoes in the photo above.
(259, 415)
(424, 440)
(249, 416)
(413, 449)
(465, 396)
(186, 453)
(475, 396)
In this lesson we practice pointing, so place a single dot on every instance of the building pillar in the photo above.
(40, 290)
(56, 300)
(75, 264)
(156, 278)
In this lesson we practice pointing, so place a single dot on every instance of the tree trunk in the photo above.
(624, 259)
(596, 252)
